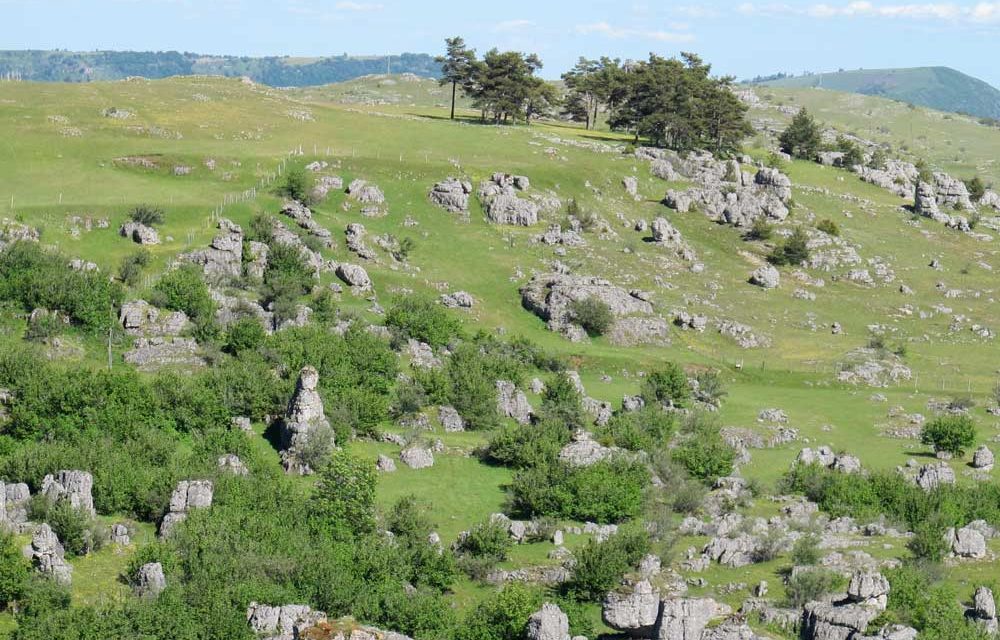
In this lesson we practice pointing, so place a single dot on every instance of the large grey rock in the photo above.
(150, 581)
(223, 259)
(827, 621)
(501, 203)
(731, 551)
(304, 425)
(355, 276)
(73, 486)
(139, 233)
(512, 403)
(983, 458)
(158, 352)
(450, 419)
(365, 193)
(583, 451)
(187, 495)
(452, 195)
(139, 318)
(632, 608)
(14, 499)
(285, 622)
(766, 277)
(256, 259)
(966, 542)
(417, 457)
(869, 588)
(775, 182)
(935, 474)
(984, 610)
(548, 623)
(48, 555)
(458, 300)
(925, 201)
(684, 618)
(231, 463)
(120, 535)
(952, 192)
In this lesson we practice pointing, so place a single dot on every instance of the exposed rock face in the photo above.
(512, 403)
(302, 216)
(633, 608)
(366, 193)
(990, 199)
(150, 581)
(14, 498)
(826, 457)
(766, 277)
(120, 535)
(869, 588)
(354, 276)
(385, 464)
(983, 458)
(827, 621)
(150, 354)
(48, 555)
(952, 192)
(934, 474)
(502, 204)
(417, 457)
(354, 234)
(966, 542)
(304, 421)
(286, 622)
(450, 419)
(189, 494)
(139, 233)
(925, 201)
(984, 610)
(72, 486)
(324, 185)
(139, 318)
(223, 259)
(256, 262)
(548, 623)
(452, 195)
(631, 185)
(231, 463)
(684, 618)
(775, 182)
(731, 551)
(584, 451)
(897, 176)
(551, 297)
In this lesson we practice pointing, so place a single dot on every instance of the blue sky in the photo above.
(741, 37)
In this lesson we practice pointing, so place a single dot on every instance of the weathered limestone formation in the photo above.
(139, 318)
(139, 233)
(512, 403)
(304, 424)
(48, 555)
(189, 494)
(72, 486)
(150, 581)
(223, 259)
(502, 204)
(548, 623)
(452, 195)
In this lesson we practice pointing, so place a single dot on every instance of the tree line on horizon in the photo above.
(668, 102)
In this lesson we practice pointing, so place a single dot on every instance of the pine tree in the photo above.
(456, 66)
(802, 138)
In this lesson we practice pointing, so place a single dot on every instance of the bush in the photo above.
(502, 616)
(646, 430)
(608, 491)
(951, 434)
(14, 571)
(525, 446)
(976, 188)
(132, 265)
(78, 532)
(761, 229)
(473, 370)
(421, 318)
(928, 542)
(806, 550)
(828, 226)
(793, 251)
(704, 453)
(666, 387)
(146, 214)
(593, 315)
(297, 184)
(344, 497)
(710, 389)
(600, 565)
(810, 585)
(246, 334)
(184, 290)
(562, 402)
(489, 540)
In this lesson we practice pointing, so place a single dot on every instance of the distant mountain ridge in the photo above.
(940, 88)
(68, 66)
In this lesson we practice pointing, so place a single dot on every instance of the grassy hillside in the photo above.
(939, 88)
(62, 160)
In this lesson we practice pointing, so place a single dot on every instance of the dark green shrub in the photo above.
(421, 318)
(608, 491)
(761, 229)
(704, 453)
(131, 266)
(246, 334)
(802, 138)
(344, 497)
(828, 226)
(810, 585)
(14, 571)
(593, 315)
(523, 446)
(666, 387)
(953, 434)
(806, 550)
(297, 184)
(600, 565)
(147, 215)
(562, 402)
(793, 251)
(646, 430)
(184, 290)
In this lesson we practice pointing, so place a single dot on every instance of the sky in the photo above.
(743, 38)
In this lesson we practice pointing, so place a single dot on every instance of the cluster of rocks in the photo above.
(551, 296)
(742, 334)
(452, 195)
(304, 425)
(501, 203)
(223, 259)
(187, 495)
(75, 487)
(324, 185)
(364, 192)
(139, 233)
(150, 354)
(140, 318)
(458, 300)
(765, 277)
(302, 216)
(583, 450)
(299, 621)
(896, 176)
(556, 235)
(824, 456)
(847, 617)
(641, 612)
(871, 368)
(48, 556)
(665, 234)
(354, 235)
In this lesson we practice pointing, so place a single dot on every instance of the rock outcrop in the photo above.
(73, 486)
(139, 233)
(633, 609)
(501, 203)
(139, 318)
(223, 259)
(512, 403)
(48, 556)
(304, 425)
(452, 195)
(548, 623)
(150, 581)
(14, 499)
(188, 495)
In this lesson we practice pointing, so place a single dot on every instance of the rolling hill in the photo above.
(69, 66)
(940, 88)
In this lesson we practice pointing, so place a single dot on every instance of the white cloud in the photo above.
(609, 31)
(357, 6)
(981, 13)
(513, 25)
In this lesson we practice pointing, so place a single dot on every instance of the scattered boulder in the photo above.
(766, 277)
(73, 486)
(984, 610)
(869, 588)
(157, 352)
(583, 451)
(935, 474)
(324, 185)
(150, 581)
(457, 300)
(452, 195)
(983, 459)
(512, 403)
(548, 623)
(286, 622)
(385, 464)
(631, 185)
(223, 259)
(633, 608)
(14, 499)
(354, 276)
(139, 233)
(417, 457)
(304, 425)
(450, 419)
(48, 555)
(120, 535)
(966, 542)
(365, 193)
(684, 618)
(501, 203)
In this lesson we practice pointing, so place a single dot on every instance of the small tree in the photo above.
(14, 571)
(794, 250)
(951, 434)
(456, 66)
(344, 498)
(802, 137)
(761, 229)
(667, 386)
(184, 290)
(593, 315)
(852, 152)
(828, 226)
(976, 188)
(132, 265)
(297, 185)
(146, 214)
